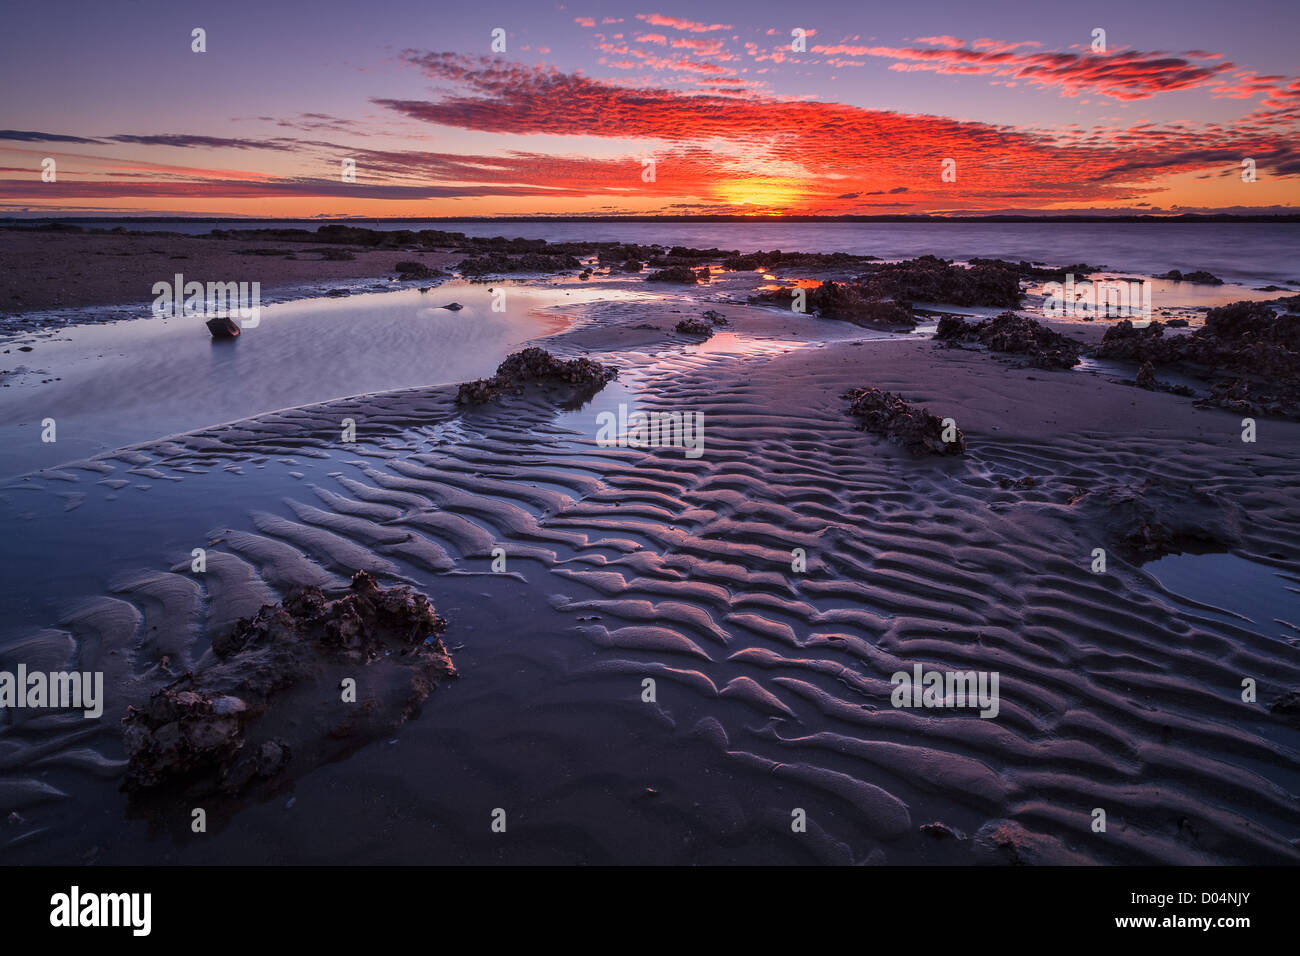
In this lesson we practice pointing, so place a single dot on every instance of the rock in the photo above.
(803, 261)
(338, 293)
(414, 270)
(255, 703)
(931, 279)
(1176, 324)
(1250, 352)
(499, 263)
(1146, 376)
(453, 306)
(536, 366)
(714, 316)
(1203, 278)
(848, 302)
(695, 327)
(1013, 334)
(223, 327)
(915, 429)
(682, 274)
(941, 831)
(1036, 271)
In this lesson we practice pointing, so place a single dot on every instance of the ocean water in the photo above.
(1246, 253)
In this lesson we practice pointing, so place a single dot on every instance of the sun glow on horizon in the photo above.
(761, 195)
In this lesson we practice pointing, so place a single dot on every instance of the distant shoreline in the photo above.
(12, 221)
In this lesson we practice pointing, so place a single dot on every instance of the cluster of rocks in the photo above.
(536, 366)
(1146, 378)
(776, 259)
(679, 273)
(931, 279)
(1036, 270)
(847, 302)
(1012, 334)
(1250, 352)
(202, 730)
(498, 263)
(916, 429)
(1200, 276)
(683, 255)
(694, 326)
(626, 254)
(416, 270)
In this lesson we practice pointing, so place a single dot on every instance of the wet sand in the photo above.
(773, 686)
(59, 270)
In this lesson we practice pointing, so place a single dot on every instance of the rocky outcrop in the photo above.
(497, 263)
(916, 429)
(931, 279)
(265, 699)
(846, 302)
(1146, 376)
(693, 326)
(1013, 334)
(1200, 276)
(682, 274)
(806, 261)
(415, 270)
(534, 366)
(1249, 352)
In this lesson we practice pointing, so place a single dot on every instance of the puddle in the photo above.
(1234, 588)
(134, 381)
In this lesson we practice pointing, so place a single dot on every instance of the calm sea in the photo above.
(1246, 253)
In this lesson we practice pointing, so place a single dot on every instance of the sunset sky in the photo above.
(735, 120)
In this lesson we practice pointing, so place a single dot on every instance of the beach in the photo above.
(770, 588)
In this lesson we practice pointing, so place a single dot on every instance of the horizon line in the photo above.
(704, 218)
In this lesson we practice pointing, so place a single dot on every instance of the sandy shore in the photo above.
(55, 270)
(623, 564)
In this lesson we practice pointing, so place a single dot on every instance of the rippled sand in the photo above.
(773, 686)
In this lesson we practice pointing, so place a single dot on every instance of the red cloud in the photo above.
(677, 23)
(824, 147)
(1127, 75)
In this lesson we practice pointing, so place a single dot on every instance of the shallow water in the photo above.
(141, 379)
(1236, 586)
